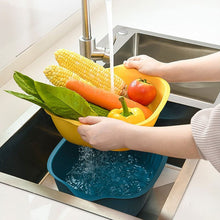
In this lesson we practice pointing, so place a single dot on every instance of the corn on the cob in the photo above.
(88, 70)
(58, 75)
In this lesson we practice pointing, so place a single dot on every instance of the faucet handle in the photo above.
(100, 53)
(88, 49)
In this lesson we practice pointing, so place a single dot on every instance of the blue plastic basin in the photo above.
(66, 155)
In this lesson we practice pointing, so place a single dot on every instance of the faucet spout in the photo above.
(87, 42)
(86, 25)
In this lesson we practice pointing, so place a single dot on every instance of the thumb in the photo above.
(90, 120)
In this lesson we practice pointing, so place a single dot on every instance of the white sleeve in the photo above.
(206, 133)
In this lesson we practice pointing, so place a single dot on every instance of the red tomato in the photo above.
(141, 91)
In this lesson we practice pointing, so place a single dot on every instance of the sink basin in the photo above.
(166, 49)
(25, 152)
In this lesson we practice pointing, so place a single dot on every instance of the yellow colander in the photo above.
(68, 128)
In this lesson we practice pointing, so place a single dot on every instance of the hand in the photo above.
(145, 64)
(103, 133)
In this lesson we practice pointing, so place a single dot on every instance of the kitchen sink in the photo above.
(25, 152)
(131, 42)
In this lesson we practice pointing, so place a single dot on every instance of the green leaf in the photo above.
(57, 100)
(26, 84)
(29, 98)
(99, 110)
(64, 102)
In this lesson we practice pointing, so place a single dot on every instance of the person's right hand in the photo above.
(145, 64)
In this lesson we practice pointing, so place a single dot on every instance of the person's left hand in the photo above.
(103, 133)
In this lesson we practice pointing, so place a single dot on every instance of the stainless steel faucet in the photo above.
(87, 42)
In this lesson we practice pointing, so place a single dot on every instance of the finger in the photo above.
(131, 64)
(83, 130)
(135, 58)
(90, 120)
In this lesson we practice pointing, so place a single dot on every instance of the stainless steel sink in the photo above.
(130, 42)
(25, 152)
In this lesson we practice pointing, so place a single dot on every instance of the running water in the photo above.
(109, 174)
(110, 39)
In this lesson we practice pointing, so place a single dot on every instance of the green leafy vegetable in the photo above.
(26, 84)
(28, 98)
(57, 100)
(99, 110)
(63, 101)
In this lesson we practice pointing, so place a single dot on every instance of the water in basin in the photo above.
(99, 172)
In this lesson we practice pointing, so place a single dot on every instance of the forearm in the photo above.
(174, 141)
(206, 68)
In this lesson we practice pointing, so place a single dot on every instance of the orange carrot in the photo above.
(102, 97)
